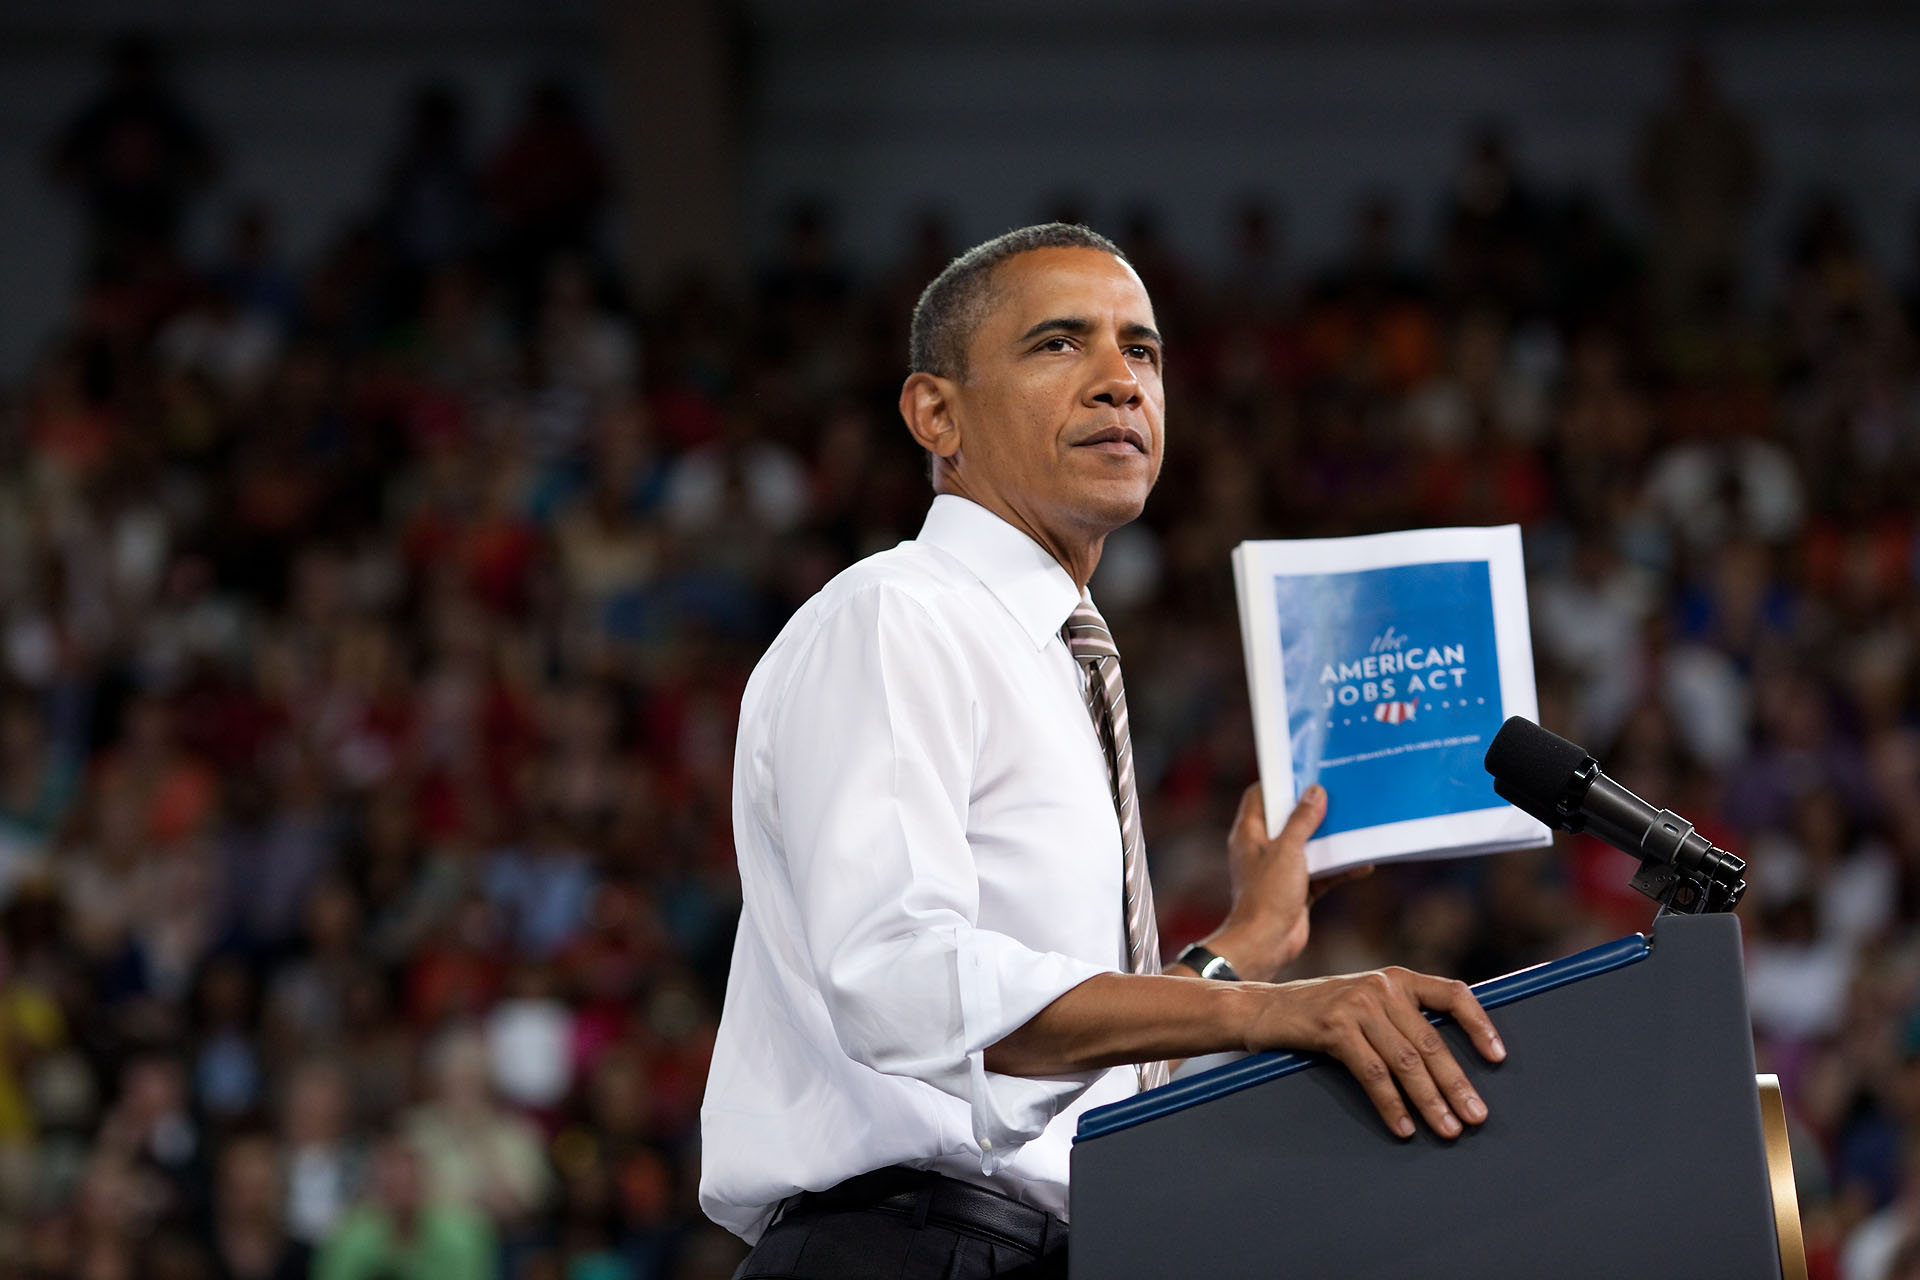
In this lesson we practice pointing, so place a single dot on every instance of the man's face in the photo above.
(1060, 410)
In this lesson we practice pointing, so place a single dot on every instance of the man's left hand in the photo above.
(1267, 924)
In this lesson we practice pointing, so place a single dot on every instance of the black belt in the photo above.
(934, 1198)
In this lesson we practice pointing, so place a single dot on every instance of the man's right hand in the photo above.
(1372, 1022)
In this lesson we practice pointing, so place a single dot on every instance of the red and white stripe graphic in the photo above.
(1394, 712)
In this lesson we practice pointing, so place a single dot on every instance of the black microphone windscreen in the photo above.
(1532, 762)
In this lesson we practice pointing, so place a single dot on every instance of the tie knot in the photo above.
(1087, 636)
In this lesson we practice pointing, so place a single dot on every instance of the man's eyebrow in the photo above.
(1059, 324)
(1080, 325)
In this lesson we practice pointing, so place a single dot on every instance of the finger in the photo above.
(1452, 1082)
(1376, 1079)
(1317, 889)
(1306, 815)
(1409, 1068)
(1457, 999)
(1251, 817)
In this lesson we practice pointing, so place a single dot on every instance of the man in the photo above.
(947, 950)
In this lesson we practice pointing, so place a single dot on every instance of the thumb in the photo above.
(1306, 815)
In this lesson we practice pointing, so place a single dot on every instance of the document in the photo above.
(1381, 667)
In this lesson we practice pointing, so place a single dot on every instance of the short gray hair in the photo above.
(952, 307)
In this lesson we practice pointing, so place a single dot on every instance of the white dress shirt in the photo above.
(929, 856)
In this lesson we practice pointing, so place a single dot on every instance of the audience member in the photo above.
(136, 154)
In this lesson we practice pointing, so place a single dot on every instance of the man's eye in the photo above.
(1138, 352)
(1056, 344)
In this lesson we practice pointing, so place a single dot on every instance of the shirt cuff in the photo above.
(1002, 986)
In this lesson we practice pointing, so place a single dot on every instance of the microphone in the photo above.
(1541, 773)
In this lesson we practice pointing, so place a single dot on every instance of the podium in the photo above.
(1624, 1141)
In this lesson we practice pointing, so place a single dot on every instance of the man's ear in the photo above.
(927, 403)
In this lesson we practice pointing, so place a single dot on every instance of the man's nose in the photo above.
(1115, 382)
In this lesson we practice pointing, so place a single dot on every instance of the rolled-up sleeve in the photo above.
(873, 755)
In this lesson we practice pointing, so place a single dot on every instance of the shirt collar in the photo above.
(1020, 573)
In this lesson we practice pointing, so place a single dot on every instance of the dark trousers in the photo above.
(900, 1224)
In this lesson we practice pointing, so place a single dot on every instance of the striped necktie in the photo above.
(1092, 646)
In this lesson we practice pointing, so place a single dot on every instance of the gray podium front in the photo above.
(1623, 1142)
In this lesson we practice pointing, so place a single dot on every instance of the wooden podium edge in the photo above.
(1786, 1199)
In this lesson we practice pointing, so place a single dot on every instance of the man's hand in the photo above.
(1267, 925)
(1372, 1023)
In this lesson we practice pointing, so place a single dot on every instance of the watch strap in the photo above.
(1208, 964)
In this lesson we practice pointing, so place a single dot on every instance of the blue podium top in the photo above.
(1261, 1067)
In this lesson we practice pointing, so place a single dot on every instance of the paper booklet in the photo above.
(1381, 667)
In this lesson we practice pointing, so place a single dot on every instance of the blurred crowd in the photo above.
(372, 630)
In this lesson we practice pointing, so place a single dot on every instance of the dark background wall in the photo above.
(304, 100)
(989, 113)
(1186, 107)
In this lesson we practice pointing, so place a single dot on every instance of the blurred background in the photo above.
(416, 417)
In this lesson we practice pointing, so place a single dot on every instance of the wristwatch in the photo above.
(1206, 963)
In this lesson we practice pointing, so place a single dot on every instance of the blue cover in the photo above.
(1392, 689)
(1261, 1067)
